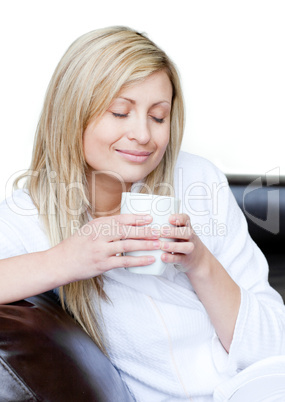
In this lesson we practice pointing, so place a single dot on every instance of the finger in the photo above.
(177, 247)
(173, 258)
(125, 246)
(183, 232)
(180, 220)
(111, 229)
(129, 261)
(134, 232)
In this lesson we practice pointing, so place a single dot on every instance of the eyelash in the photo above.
(121, 116)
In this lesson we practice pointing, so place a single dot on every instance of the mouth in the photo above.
(134, 156)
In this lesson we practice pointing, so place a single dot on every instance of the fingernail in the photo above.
(164, 257)
(156, 244)
(151, 259)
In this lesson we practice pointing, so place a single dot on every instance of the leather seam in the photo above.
(28, 392)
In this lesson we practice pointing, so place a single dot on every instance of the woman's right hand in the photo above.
(94, 248)
(89, 252)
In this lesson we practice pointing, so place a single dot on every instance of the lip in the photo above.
(134, 156)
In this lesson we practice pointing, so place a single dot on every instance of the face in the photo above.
(132, 135)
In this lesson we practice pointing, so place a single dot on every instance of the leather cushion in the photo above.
(46, 356)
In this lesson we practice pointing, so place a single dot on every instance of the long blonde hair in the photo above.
(89, 76)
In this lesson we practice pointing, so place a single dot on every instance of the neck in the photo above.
(105, 195)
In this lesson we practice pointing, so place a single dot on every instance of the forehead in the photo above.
(156, 87)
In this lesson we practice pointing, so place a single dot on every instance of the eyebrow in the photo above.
(133, 101)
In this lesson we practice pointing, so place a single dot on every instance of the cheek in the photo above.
(163, 139)
(92, 145)
(94, 137)
(89, 148)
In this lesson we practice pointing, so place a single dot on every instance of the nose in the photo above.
(140, 131)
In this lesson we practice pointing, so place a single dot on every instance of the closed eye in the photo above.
(122, 115)
(158, 120)
(119, 115)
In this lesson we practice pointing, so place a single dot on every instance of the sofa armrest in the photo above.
(46, 356)
(263, 205)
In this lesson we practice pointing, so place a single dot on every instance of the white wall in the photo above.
(231, 56)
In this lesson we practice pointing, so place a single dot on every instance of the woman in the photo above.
(112, 121)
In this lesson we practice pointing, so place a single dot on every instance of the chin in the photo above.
(132, 177)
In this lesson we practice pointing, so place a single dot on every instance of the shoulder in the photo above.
(205, 196)
(18, 206)
(194, 168)
(21, 229)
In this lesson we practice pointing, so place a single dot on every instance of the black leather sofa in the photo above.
(262, 199)
(44, 354)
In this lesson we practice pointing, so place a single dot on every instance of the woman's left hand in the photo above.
(214, 287)
(187, 250)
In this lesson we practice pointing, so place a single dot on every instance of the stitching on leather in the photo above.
(24, 387)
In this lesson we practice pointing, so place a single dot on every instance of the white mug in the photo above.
(160, 208)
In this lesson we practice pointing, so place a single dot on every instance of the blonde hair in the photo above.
(89, 76)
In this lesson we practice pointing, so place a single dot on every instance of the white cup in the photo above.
(160, 208)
